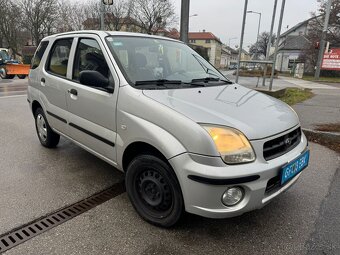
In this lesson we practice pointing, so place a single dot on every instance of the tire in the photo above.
(47, 137)
(22, 76)
(4, 75)
(154, 191)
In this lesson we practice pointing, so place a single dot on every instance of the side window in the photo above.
(39, 54)
(89, 56)
(59, 57)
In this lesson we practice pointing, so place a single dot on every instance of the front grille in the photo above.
(281, 145)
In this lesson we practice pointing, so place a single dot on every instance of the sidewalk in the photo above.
(323, 108)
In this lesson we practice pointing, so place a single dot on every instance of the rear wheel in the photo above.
(154, 191)
(46, 135)
(22, 76)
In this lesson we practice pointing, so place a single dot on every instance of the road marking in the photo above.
(2, 97)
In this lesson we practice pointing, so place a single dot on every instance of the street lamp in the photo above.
(194, 15)
(258, 31)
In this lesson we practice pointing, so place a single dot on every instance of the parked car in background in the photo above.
(233, 67)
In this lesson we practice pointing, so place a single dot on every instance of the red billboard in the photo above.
(331, 60)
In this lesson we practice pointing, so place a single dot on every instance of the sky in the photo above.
(224, 17)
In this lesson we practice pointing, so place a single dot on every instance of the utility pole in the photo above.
(323, 41)
(269, 43)
(102, 14)
(241, 40)
(277, 43)
(185, 7)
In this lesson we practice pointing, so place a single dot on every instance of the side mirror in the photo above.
(94, 79)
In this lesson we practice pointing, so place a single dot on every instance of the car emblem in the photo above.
(288, 141)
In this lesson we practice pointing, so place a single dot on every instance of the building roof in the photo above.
(295, 42)
(203, 36)
(232, 51)
(297, 26)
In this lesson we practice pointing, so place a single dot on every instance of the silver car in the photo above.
(186, 137)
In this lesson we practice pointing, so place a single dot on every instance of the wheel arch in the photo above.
(139, 148)
(35, 106)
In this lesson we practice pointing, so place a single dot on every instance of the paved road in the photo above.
(13, 87)
(35, 181)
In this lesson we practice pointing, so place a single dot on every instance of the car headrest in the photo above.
(140, 60)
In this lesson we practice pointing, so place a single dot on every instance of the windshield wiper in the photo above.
(208, 79)
(159, 82)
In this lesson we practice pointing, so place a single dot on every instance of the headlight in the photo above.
(233, 146)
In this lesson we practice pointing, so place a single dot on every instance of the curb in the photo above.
(329, 136)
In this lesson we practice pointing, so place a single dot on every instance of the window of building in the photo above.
(207, 41)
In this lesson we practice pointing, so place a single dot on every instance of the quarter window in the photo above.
(59, 57)
(89, 56)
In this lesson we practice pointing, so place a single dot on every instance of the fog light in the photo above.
(232, 196)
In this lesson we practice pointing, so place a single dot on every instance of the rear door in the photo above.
(53, 83)
(93, 110)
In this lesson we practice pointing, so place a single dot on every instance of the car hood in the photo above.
(253, 113)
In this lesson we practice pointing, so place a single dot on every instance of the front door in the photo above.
(92, 110)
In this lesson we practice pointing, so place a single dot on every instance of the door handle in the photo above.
(42, 82)
(73, 92)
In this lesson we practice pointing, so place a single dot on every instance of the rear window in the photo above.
(59, 56)
(39, 54)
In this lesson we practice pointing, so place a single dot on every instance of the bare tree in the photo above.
(153, 15)
(10, 25)
(71, 15)
(310, 54)
(118, 14)
(39, 17)
(92, 15)
(260, 48)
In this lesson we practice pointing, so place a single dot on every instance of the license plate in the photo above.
(293, 168)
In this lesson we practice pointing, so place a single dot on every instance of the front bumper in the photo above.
(204, 198)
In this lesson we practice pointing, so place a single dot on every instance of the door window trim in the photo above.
(50, 55)
(106, 56)
(75, 54)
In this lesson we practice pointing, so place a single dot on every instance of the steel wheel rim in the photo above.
(155, 193)
(41, 127)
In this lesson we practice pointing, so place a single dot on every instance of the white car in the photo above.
(185, 136)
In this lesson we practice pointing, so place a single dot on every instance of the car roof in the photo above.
(108, 33)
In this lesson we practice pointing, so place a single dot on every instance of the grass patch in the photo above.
(296, 95)
(333, 145)
(331, 127)
(322, 79)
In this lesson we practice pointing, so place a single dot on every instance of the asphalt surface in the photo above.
(35, 181)
(13, 87)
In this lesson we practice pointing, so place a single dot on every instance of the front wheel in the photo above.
(47, 137)
(4, 75)
(22, 76)
(154, 191)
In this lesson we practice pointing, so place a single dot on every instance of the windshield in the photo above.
(150, 59)
(4, 55)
